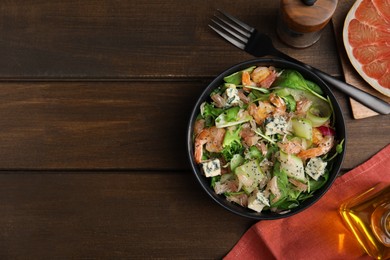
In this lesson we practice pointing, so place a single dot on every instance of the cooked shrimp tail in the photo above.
(212, 138)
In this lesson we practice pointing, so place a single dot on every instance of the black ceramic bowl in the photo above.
(205, 182)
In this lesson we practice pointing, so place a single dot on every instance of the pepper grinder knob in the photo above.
(300, 24)
(309, 2)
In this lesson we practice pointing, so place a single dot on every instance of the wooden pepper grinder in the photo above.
(301, 22)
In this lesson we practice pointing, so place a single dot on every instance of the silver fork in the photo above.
(259, 44)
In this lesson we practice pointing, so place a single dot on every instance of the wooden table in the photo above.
(95, 99)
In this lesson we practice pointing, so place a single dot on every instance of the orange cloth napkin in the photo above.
(318, 232)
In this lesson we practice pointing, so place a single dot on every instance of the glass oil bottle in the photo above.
(367, 215)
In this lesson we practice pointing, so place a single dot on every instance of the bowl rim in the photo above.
(340, 133)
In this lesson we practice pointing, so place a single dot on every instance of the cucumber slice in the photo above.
(319, 114)
(302, 128)
(300, 94)
(250, 175)
(292, 166)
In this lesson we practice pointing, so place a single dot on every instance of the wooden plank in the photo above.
(103, 39)
(95, 125)
(134, 215)
(121, 125)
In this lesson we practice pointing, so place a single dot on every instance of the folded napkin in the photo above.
(318, 232)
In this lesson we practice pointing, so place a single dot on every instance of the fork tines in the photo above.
(231, 29)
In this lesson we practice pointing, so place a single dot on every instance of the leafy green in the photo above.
(262, 90)
(272, 149)
(214, 179)
(232, 143)
(339, 149)
(291, 104)
(315, 185)
(231, 114)
(236, 161)
(218, 90)
(209, 112)
(293, 79)
(256, 95)
(254, 153)
(314, 87)
(231, 117)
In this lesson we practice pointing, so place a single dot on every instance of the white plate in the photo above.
(356, 64)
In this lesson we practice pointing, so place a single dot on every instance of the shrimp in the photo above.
(218, 100)
(248, 135)
(260, 74)
(260, 112)
(303, 106)
(246, 81)
(227, 186)
(317, 136)
(263, 148)
(279, 103)
(291, 147)
(323, 147)
(240, 199)
(273, 187)
(298, 185)
(243, 97)
(211, 137)
(263, 76)
(267, 82)
(198, 126)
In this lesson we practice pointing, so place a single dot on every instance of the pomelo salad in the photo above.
(266, 138)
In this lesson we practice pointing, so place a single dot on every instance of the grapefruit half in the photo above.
(366, 37)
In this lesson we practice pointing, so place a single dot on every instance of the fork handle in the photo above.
(370, 101)
(361, 96)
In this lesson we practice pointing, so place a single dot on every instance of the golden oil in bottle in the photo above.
(368, 216)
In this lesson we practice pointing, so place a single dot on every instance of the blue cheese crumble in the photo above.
(257, 201)
(277, 125)
(212, 168)
(315, 167)
(232, 96)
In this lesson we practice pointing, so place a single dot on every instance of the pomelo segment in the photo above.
(367, 54)
(377, 68)
(367, 13)
(362, 34)
(385, 80)
(383, 8)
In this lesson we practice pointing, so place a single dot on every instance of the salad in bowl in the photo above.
(266, 139)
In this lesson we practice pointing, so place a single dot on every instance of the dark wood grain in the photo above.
(134, 125)
(133, 215)
(97, 39)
